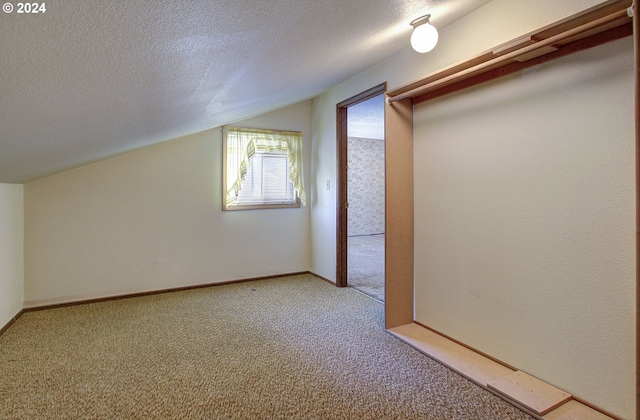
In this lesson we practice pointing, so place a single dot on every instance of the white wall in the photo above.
(11, 251)
(493, 24)
(525, 221)
(597, 297)
(152, 219)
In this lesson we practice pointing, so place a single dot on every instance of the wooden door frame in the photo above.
(341, 190)
(636, 80)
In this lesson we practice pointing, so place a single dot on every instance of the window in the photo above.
(262, 169)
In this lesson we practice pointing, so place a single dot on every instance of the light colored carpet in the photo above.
(365, 264)
(288, 348)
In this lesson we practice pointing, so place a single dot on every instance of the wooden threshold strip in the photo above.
(538, 396)
(535, 397)
(603, 23)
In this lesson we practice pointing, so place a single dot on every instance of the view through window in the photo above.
(262, 169)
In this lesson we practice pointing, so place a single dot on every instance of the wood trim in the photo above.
(580, 18)
(399, 259)
(160, 291)
(342, 190)
(363, 96)
(479, 368)
(545, 32)
(598, 409)
(548, 42)
(341, 199)
(474, 366)
(322, 278)
(613, 34)
(636, 53)
(11, 321)
(460, 343)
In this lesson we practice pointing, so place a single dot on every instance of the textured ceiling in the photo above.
(91, 79)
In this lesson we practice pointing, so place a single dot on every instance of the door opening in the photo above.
(361, 193)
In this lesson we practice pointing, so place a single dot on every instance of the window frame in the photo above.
(256, 206)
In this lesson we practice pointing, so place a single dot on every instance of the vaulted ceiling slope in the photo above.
(86, 79)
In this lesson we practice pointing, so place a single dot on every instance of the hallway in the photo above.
(365, 264)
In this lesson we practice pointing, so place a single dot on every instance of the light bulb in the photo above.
(425, 36)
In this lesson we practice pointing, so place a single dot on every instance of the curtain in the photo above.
(242, 144)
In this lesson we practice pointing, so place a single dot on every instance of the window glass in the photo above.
(262, 169)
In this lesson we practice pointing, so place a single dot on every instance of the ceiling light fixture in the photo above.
(425, 36)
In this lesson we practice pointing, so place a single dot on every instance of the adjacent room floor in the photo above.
(365, 264)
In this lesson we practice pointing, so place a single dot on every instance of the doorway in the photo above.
(361, 193)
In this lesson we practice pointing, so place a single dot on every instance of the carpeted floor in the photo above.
(289, 348)
(365, 264)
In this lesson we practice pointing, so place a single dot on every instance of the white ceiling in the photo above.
(366, 119)
(91, 79)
